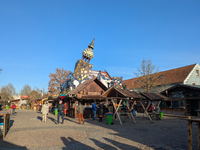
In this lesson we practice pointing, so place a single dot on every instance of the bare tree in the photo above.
(147, 76)
(26, 90)
(36, 93)
(56, 79)
(7, 93)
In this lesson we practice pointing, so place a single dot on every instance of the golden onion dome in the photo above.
(88, 52)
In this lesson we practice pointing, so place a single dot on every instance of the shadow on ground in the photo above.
(165, 134)
(8, 145)
(39, 118)
(70, 143)
(52, 119)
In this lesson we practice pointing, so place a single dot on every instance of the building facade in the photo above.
(189, 75)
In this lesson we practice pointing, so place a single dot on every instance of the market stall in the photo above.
(117, 96)
(154, 98)
(87, 92)
(6, 122)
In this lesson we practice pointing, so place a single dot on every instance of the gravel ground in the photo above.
(28, 132)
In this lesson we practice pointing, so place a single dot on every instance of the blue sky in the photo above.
(38, 36)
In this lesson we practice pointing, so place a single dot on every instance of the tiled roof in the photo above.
(124, 93)
(128, 93)
(154, 96)
(177, 75)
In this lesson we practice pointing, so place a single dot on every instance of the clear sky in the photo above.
(36, 37)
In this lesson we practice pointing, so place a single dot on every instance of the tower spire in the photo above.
(91, 45)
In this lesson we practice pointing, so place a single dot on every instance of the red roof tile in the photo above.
(177, 75)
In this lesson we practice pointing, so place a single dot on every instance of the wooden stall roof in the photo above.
(13, 100)
(92, 97)
(195, 87)
(154, 96)
(85, 84)
(115, 92)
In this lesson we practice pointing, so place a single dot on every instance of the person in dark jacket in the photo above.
(94, 110)
(101, 106)
(61, 109)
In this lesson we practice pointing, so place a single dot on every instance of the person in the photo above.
(13, 107)
(135, 109)
(45, 111)
(101, 106)
(157, 112)
(94, 110)
(110, 107)
(61, 109)
(80, 110)
(0, 107)
(65, 111)
(40, 107)
(151, 108)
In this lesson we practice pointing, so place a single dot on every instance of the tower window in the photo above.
(193, 83)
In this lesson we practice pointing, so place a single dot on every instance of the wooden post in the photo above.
(4, 126)
(147, 107)
(145, 111)
(116, 109)
(189, 135)
(8, 121)
(75, 108)
(198, 135)
(159, 103)
(130, 113)
(117, 106)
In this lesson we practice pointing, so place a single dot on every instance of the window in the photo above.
(168, 104)
(193, 83)
(181, 104)
(197, 72)
(174, 103)
(136, 81)
(160, 76)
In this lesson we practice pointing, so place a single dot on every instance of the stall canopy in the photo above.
(117, 95)
(152, 97)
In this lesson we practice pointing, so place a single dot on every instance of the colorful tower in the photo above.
(83, 67)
